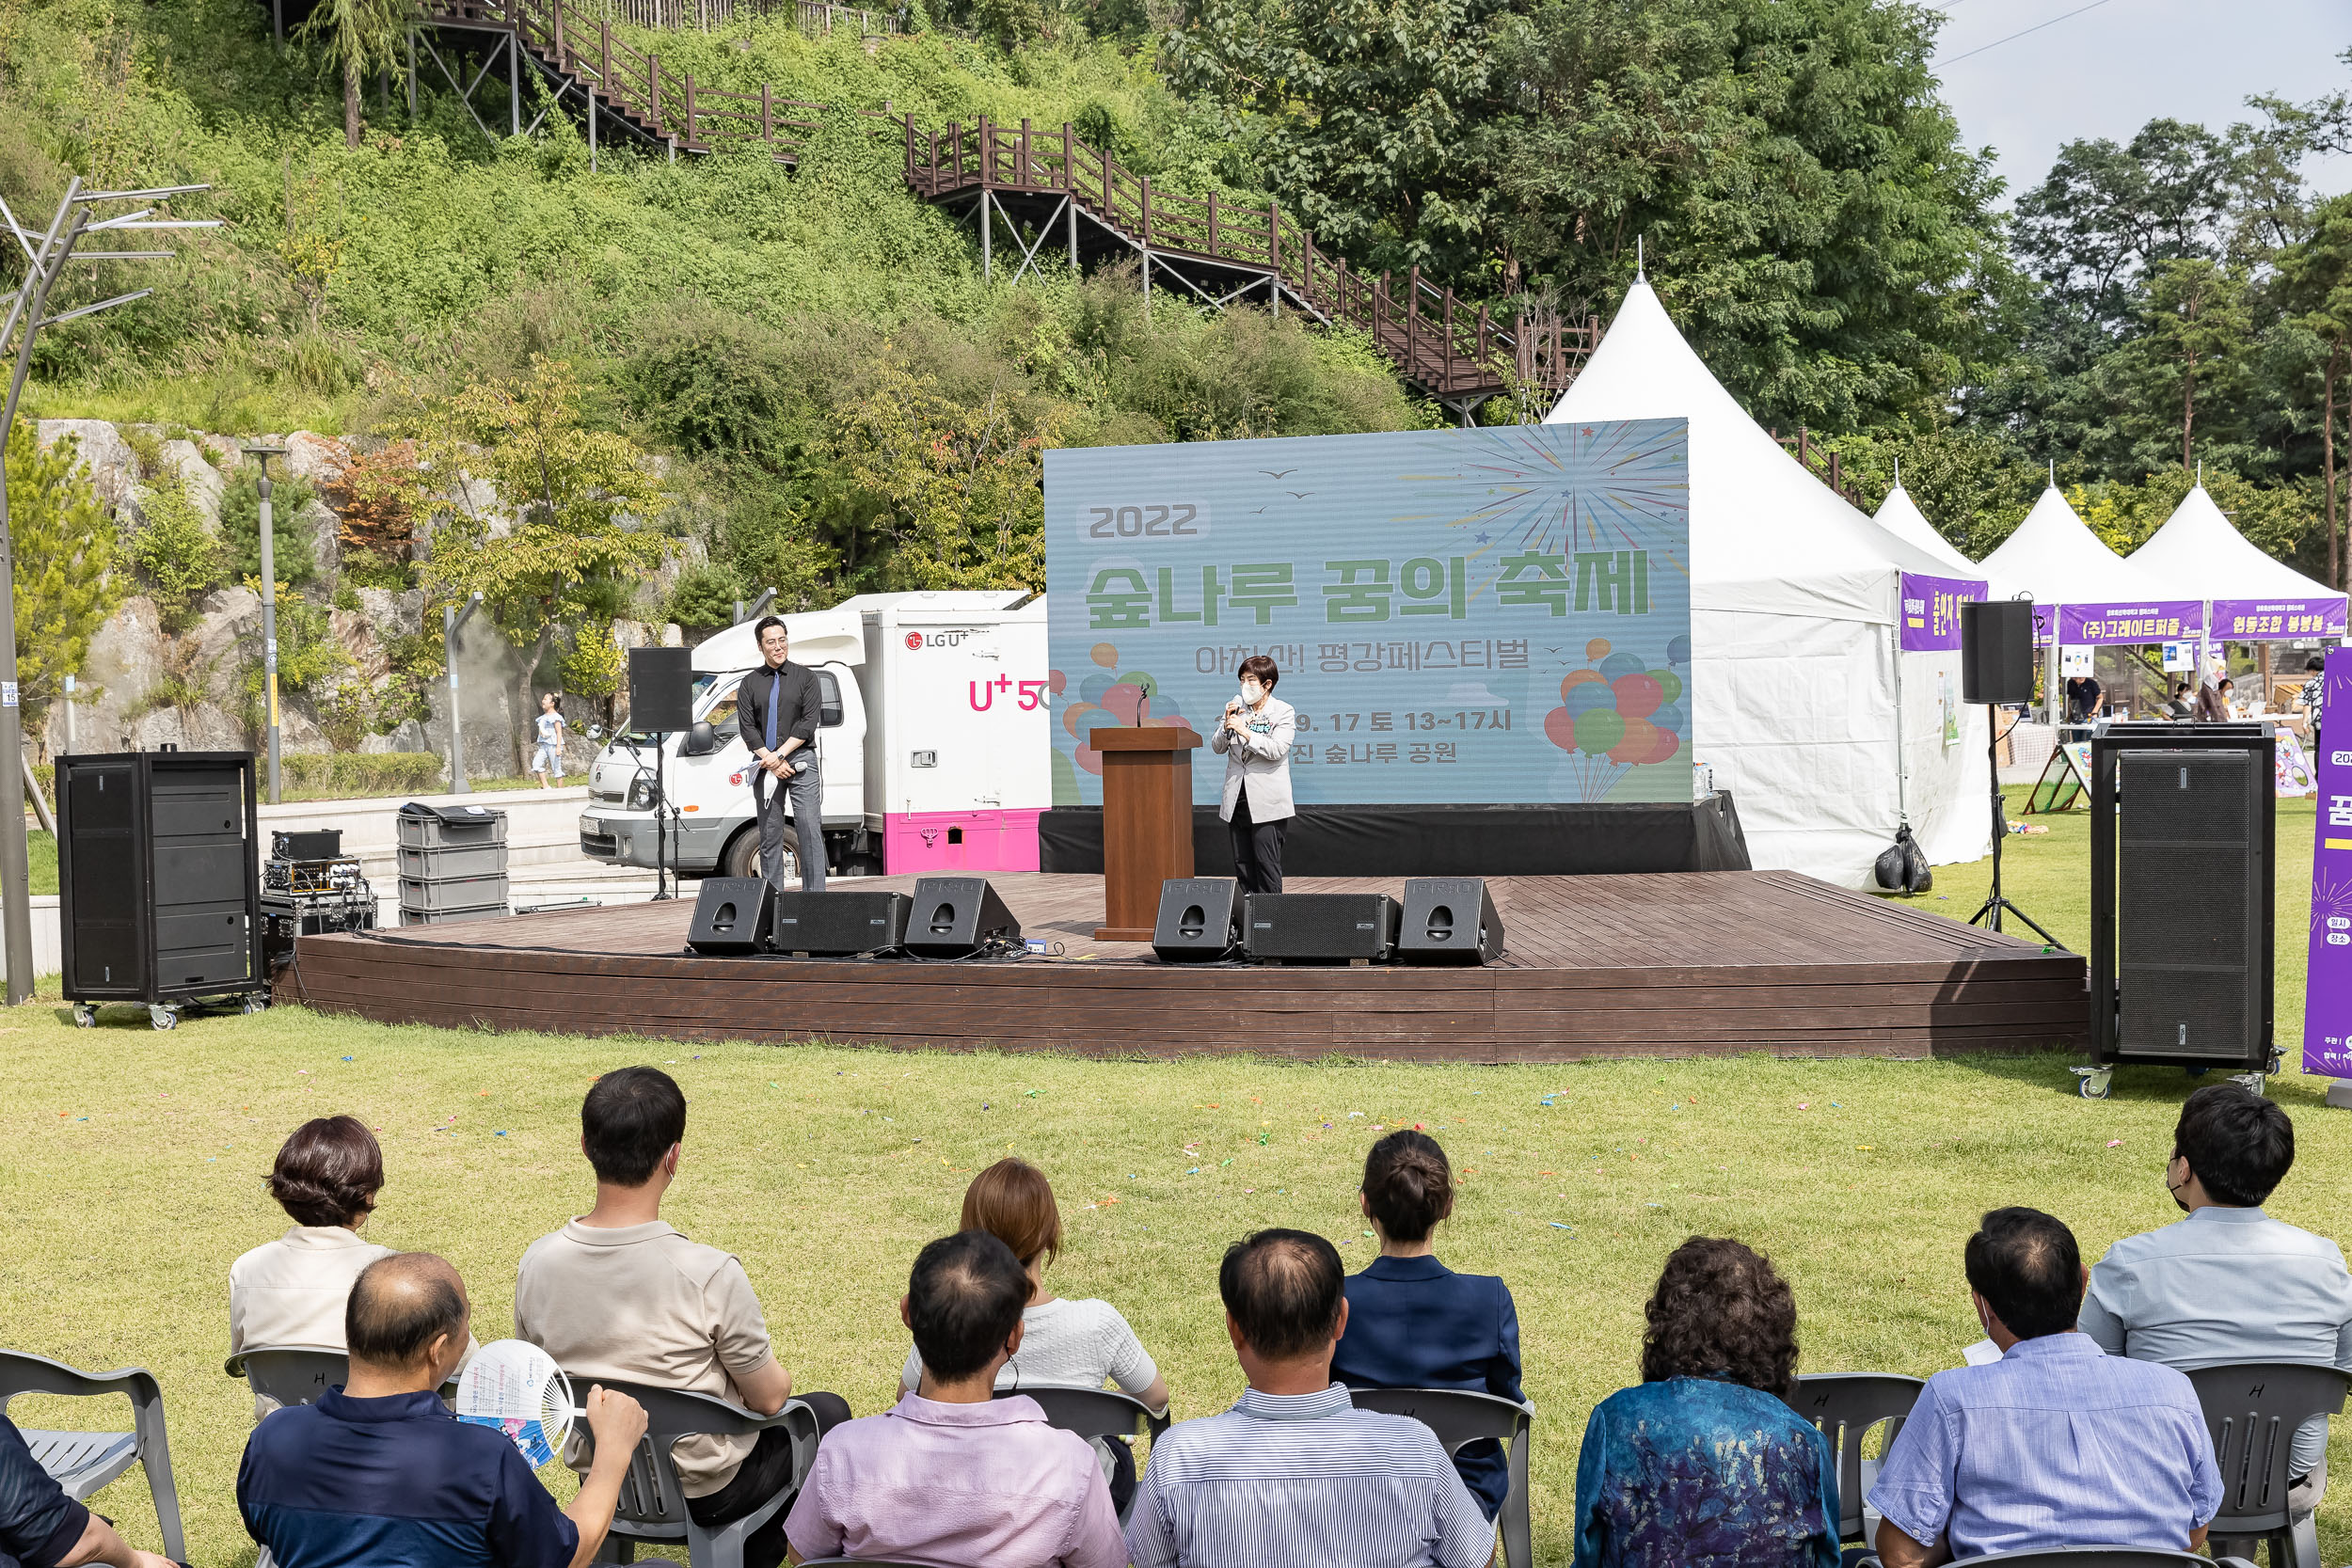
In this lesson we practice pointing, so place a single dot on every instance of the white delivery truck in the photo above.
(934, 745)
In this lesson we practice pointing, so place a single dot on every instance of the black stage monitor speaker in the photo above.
(2193, 886)
(1199, 919)
(730, 918)
(1996, 651)
(839, 923)
(1319, 928)
(1449, 920)
(660, 690)
(954, 917)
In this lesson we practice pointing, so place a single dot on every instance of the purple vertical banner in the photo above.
(2328, 984)
(1930, 618)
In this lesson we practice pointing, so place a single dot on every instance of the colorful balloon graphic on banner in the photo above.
(1114, 698)
(1615, 715)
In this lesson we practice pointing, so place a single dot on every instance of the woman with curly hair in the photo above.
(1412, 1322)
(1704, 1462)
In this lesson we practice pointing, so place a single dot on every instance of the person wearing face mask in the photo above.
(1254, 736)
(2229, 1283)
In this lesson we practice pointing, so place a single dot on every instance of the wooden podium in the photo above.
(1147, 823)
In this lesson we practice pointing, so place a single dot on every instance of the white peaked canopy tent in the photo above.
(2200, 554)
(1795, 600)
(2056, 559)
(1899, 515)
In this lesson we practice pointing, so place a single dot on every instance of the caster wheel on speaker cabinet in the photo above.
(255, 1005)
(2277, 1062)
(85, 1018)
(2094, 1082)
(162, 1017)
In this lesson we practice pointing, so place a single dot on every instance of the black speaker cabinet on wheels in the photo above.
(839, 923)
(1449, 920)
(1996, 651)
(1199, 920)
(731, 918)
(1319, 928)
(2183, 857)
(660, 690)
(158, 880)
(955, 917)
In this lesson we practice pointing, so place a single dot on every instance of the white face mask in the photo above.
(1252, 691)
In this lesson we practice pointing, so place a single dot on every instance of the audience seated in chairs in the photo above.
(378, 1474)
(1079, 1345)
(951, 1474)
(618, 1293)
(1293, 1473)
(1704, 1460)
(1412, 1322)
(292, 1290)
(2057, 1443)
(2229, 1283)
(43, 1528)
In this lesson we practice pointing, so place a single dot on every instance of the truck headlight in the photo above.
(643, 796)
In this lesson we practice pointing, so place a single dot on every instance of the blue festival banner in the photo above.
(2328, 979)
(1459, 616)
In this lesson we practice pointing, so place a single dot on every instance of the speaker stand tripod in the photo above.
(1995, 902)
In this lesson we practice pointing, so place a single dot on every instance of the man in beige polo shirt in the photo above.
(619, 1295)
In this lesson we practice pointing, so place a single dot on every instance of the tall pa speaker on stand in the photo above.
(1997, 668)
(2183, 915)
(661, 705)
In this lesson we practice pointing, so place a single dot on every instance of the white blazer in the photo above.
(1259, 761)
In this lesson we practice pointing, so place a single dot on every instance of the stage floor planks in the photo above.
(1681, 964)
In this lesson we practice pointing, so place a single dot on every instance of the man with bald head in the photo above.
(378, 1473)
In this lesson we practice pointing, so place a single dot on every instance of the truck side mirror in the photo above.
(700, 742)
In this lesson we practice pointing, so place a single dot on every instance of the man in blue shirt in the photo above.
(2229, 1283)
(378, 1474)
(2058, 1443)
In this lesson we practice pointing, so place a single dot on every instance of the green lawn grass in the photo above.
(134, 1158)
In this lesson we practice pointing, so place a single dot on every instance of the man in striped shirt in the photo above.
(1293, 1473)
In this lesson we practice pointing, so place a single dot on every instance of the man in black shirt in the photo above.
(777, 708)
(43, 1528)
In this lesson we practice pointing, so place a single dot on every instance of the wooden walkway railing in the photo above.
(1822, 464)
(1454, 351)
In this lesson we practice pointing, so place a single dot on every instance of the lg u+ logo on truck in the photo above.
(918, 641)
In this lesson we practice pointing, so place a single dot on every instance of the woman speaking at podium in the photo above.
(1255, 739)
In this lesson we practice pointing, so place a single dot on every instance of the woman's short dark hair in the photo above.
(1408, 1184)
(1262, 666)
(328, 1172)
(2025, 1265)
(2237, 1142)
(2314, 662)
(1284, 1289)
(628, 1121)
(1721, 1310)
(964, 1298)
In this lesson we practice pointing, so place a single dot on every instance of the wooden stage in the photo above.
(1684, 964)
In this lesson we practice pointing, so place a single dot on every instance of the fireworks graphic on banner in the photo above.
(2331, 893)
(1613, 487)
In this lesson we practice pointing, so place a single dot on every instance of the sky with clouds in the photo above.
(2117, 64)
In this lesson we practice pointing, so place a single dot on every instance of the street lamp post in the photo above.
(44, 260)
(269, 607)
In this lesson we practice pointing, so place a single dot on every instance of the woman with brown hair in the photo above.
(292, 1290)
(1705, 1461)
(1412, 1322)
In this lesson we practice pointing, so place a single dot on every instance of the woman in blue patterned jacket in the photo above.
(1704, 1465)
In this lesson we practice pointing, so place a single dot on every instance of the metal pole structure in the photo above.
(454, 617)
(269, 607)
(72, 745)
(26, 306)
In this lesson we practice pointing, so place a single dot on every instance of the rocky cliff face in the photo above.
(143, 687)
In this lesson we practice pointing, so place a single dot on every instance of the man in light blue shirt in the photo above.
(2057, 1444)
(2229, 1283)
(1293, 1473)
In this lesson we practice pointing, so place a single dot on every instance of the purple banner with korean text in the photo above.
(2163, 620)
(2259, 619)
(1930, 620)
(2328, 979)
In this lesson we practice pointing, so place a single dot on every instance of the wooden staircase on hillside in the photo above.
(1042, 188)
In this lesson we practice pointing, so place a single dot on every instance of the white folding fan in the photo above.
(515, 1387)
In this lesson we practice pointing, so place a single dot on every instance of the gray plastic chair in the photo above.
(1461, 1417)
(1092, 1413)
(652, 1505)
(291, 1374)
(82, 1462)
(1845, 1406)
(2252, 1409)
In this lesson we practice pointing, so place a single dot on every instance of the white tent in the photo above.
(1899, 515)
(1795, 599)
(2054, 558)
(2199, 554)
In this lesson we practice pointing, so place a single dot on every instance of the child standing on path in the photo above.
(547, 757)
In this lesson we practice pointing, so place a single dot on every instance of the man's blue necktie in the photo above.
(775, 690)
